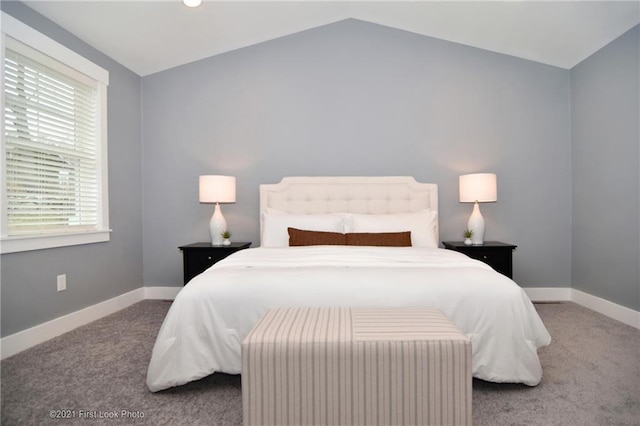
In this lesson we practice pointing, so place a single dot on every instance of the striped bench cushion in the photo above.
(351, 366)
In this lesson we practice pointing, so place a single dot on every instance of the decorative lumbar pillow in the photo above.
(421, 224)
(385, 239)
(300, 237)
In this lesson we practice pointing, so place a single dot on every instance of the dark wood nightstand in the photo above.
(197, 257)
(494, 253)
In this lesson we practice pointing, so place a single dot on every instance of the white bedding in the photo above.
(210, 317)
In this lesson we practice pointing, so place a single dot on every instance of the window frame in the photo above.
(21, 32)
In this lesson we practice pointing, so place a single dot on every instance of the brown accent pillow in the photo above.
(387, 239)
(300, 237)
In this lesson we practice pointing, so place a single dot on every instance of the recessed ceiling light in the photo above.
(192, 3)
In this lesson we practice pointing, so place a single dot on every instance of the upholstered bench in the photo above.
(353, 366)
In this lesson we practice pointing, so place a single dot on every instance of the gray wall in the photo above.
(354, 98)
(605, 115)
(95, 272)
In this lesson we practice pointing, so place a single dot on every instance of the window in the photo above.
(54, 173)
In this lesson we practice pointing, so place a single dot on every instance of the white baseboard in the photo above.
(161, 293)
(602, 306)
(605, 307)
(30, 337)
(548, 294)
(25, 339)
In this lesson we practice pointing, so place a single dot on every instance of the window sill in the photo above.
(39, 242)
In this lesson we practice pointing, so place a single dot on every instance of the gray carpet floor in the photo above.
(591, 377)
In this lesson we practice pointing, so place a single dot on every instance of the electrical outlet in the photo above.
(62, 282)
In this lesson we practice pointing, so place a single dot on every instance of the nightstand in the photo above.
(197, 257)
(494, 253)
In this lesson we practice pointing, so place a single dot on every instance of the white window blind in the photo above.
(51, 147)
(53, 144)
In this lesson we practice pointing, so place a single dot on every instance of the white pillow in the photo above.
(274, 226)
(421, 224)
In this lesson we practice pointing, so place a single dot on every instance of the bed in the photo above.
(204, 328)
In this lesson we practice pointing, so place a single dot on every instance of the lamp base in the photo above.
(476, 224)
(217, 225)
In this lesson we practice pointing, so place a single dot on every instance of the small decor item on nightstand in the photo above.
(468, 234)
(226, 238)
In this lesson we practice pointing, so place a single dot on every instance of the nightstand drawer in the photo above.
(494, 253)
(200, 261)
(498, 260)
(198, 257)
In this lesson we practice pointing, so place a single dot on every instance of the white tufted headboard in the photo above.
(369, 195)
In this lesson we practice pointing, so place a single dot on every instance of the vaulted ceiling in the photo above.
(151, 36)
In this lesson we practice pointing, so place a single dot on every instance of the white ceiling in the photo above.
(155, 35)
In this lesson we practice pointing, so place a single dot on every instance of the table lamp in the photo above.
(217, 189)
(478, 188)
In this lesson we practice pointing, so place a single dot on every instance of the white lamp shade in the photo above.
(217, 189)
(480, 187)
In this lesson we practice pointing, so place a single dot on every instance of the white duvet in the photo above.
(210, 317)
